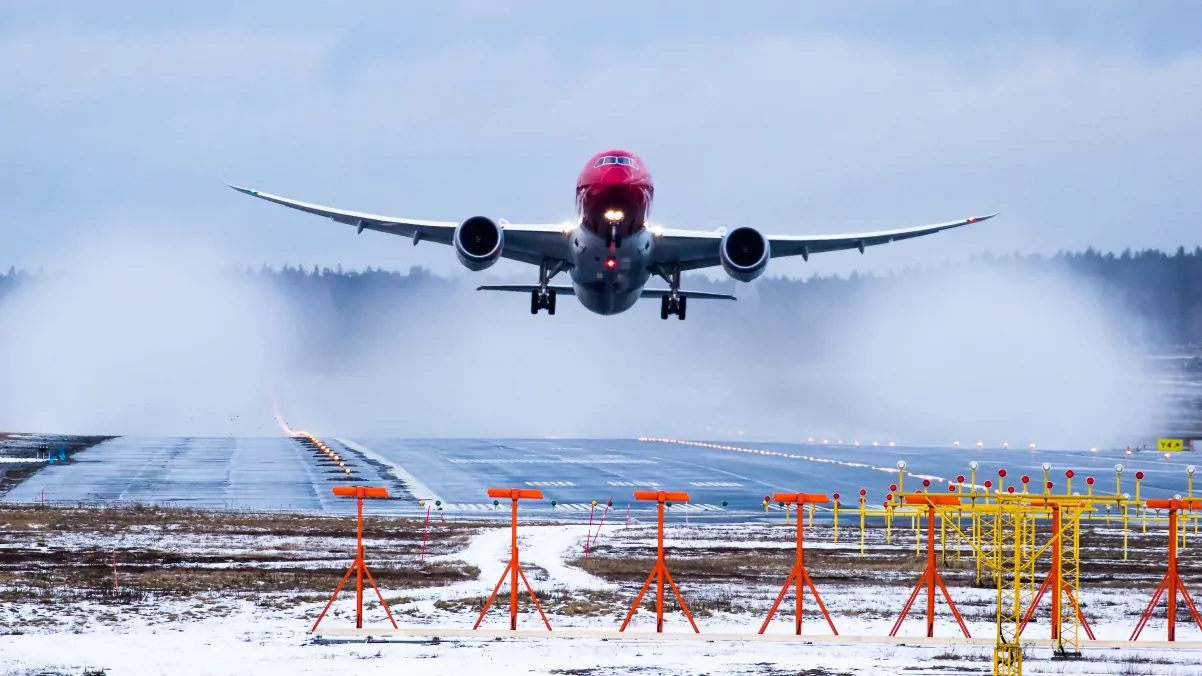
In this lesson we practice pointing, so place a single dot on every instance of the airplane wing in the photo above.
(526, 243)
(696, 249)
(570, 291)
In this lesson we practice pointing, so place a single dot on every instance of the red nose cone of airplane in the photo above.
(614, 194)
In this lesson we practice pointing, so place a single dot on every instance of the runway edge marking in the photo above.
(419, 490)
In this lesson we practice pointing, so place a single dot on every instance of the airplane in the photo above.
(611, 250)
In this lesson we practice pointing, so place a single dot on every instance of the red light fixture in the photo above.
(611, 263)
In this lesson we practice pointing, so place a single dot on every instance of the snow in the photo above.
(235, 635)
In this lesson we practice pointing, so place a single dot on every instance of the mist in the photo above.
(998, 354)
(135, 338)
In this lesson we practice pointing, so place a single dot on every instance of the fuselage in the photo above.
(611, 249)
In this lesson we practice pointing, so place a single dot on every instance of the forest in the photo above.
(1159, 289)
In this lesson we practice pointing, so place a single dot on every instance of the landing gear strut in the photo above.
(672, 303)
(542, 297)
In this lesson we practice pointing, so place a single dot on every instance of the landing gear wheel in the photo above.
(663, 306)
(534, 302)
(551, 302)
(680, 308)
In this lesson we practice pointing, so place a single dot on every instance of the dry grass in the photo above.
(111, 517)
(236, 553)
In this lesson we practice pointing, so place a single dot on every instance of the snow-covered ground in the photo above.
(268, 633)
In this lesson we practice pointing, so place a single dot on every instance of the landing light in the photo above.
(614, 215)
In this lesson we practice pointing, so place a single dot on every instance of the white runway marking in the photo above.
(550, 483)
(633, 484)
(715, 484)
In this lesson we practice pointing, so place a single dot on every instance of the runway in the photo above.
(453, 475)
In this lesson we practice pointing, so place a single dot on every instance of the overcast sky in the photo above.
(1079, 121)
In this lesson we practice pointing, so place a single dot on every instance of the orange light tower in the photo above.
(798, 575)
(1171, 582)
(514, 569)
(358, 566)
(659, 572)
(930, 578)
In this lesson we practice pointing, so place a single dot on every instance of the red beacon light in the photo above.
(1049, 485)
(1001, 473)
(1026, 479)
(863, 491)
(951, 488)
(1009, 489)
(893, 487)
(1139, 476)
(988, 484)
(611, 263)
(960, 479)
(1068, 474)
(1089, 480)
(926, 482)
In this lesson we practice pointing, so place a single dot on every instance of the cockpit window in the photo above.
(610, 159)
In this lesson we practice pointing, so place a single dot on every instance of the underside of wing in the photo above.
(694, 250)
(526, 243)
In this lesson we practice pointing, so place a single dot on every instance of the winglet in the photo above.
(244, 191)
(978, 219)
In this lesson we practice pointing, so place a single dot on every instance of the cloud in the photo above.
(790, 127)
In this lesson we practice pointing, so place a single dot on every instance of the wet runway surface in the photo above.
(454, 474)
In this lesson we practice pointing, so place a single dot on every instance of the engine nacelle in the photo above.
(744, 253)
(478, 242)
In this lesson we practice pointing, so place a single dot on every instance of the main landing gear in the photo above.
(543, 297)
(670, 305)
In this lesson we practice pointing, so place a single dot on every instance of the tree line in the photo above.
(1163, 289)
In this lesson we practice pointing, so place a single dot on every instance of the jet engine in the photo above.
(744, 253)
(478, 242)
